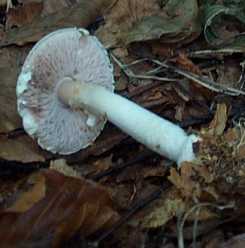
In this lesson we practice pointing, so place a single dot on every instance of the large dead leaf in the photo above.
(135, 20)
(194, 181)
(80, 15)
(69, 205)
(22, 15)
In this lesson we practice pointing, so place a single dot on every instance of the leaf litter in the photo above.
(182, 60)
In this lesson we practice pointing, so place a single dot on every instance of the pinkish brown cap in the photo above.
(65, 53)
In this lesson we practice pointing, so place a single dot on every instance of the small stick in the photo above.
(192, 210)
(131, 74)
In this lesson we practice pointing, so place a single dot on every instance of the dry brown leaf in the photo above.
(80, 15)
(70, 205)
(204, 173)
(136, 20)
(23, 15)
(238, 141)
(218, 124)
(22, 148)
(123, 15)
(168, 206)
(195, 181)
(231, 136)
(184, 182)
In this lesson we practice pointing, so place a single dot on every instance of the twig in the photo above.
(225, 51)
(241, 80)
(130, 74)
(193, 209)
(195, 225)
(205, 82)
(138, 61)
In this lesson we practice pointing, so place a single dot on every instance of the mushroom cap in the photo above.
(69, 52)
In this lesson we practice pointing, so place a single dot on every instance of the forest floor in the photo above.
(181, 59)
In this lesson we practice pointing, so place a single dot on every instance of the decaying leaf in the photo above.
(80, 15)
(22, 148)
(134, 20)
(218, 124)
(23, 15)
(223, 155)
(170, 205)
(184, 182)
(68, 206)
(231, 136)
(122, 16)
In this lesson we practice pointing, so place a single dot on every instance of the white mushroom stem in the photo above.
(154, 132)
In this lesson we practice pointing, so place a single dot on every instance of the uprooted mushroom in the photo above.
(65, 94)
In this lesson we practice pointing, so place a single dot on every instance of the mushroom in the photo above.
(65, 95)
